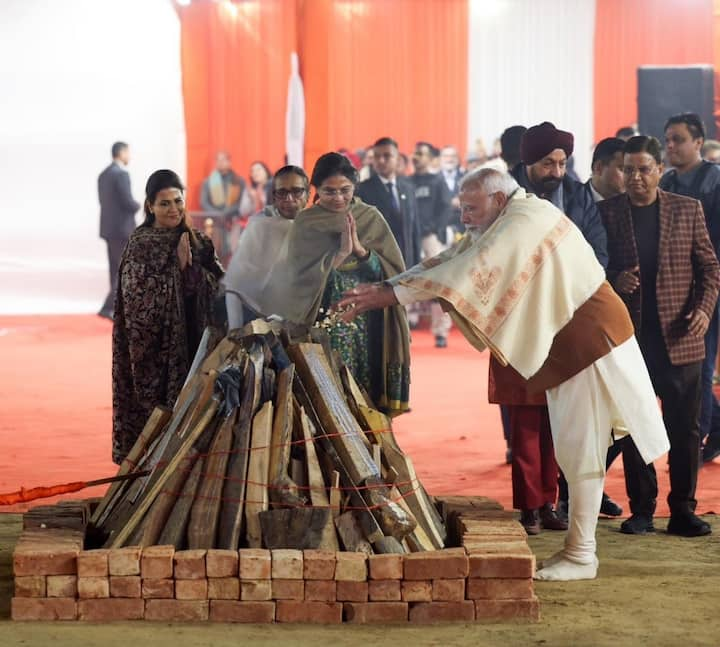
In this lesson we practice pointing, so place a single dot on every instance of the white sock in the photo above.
(565, 570)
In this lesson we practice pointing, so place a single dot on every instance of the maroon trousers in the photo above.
(534, 470)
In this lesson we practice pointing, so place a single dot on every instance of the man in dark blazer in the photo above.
(117, 216)
(663, 265)
(394, 197)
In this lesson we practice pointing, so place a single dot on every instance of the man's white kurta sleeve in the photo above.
(406, 295)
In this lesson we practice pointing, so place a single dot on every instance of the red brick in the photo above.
(111, 610)
(124, 561)
(502, 565)
(492, 527)
(288, 589)
(248, 612)
(222, 563)
(157, 562)
(494, 610)
(287, 564)
(190, 565)
(191, 589)
(384, 590)
(62, 586)
(93, 563)
(351, 567)
(257, 590)
(375, 612)
(417, 591)
(490, 546)
(320, 613)
(93, 587)
(352, 591)
(431, 612)
(32, 586)
(125, 586)
(223, 588)
(44, 560)
(448, 590)
(450, 563)
(385, 567)
(320, 590)
(318, 564)
(43, 609)
(158, 589)
(177, 610)
(499, 589)
(255, 564)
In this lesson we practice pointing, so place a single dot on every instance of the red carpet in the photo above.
(55, 410)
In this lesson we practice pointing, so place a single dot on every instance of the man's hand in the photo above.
(368, 296)
(628, 281)
(698, 323)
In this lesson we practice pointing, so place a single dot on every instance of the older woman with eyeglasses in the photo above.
(334, 246)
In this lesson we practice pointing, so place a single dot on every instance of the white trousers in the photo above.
(440, 322)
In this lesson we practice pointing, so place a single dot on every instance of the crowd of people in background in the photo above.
(298, 243)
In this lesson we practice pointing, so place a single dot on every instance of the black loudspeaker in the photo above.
(664, 91)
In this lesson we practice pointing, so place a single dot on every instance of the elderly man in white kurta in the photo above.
(524, 283)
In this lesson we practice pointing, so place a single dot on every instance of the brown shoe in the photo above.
(550, 520)
(529, 520)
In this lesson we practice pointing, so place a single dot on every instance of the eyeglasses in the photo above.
(345, 192)
(643, 170)
(283, 194)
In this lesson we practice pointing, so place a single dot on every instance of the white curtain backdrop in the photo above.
(532, 61)
(76, 76)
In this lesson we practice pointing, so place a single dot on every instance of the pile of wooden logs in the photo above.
(270, 444)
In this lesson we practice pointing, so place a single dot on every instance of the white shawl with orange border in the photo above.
(513, 288)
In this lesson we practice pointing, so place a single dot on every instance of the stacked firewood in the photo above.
(270, 444)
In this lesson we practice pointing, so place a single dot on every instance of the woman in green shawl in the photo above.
(334, 246)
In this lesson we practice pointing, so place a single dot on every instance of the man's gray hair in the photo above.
(490, 180)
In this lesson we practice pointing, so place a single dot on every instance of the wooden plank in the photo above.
(335, 495)
(154, 425)
(232, 509)
(300, 528)
(204, 517)
(351, 534)
(174, 532)
(418, 537)
(283, 490)
(316, 483)
(257, 491)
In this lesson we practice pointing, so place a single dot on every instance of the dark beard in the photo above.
(548, 185)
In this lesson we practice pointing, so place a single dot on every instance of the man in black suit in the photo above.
(394, 197)
(117, 216)
(452, 174)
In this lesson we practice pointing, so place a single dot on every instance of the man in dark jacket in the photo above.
(117, 216)
(394, 197)
(694, 177)
(544, 151)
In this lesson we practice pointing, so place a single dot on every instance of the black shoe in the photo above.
(508, 456)
(550, 520)
(609, 508)
(440, 341)
(562, 510)
(711, 449)
(530, 521)
(688, 525)
(637, 524)
(106, 314)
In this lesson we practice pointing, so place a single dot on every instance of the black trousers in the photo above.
(115, 249)
(680, 390)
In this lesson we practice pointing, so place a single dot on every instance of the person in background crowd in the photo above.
(169, 276)
(510, 141)
(368, 159)
(711, 151)
(260, 189)
(394, 196)
(451, 173)
(403, 165)
(117, 216)
(433, 202)
(607, 180)
(663, 265)
(260, 245)
(696, 178)
(580, 348)
(334, 246)
(626, 132)
(223, 189)
(473, 161)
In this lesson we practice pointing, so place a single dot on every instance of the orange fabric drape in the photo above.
(370, 68)
(373, 68)
(630, 33)
(235, 68)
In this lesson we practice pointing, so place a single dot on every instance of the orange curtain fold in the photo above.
(370, 68)
(630, 33)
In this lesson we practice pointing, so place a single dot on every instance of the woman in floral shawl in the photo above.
(168, 279)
